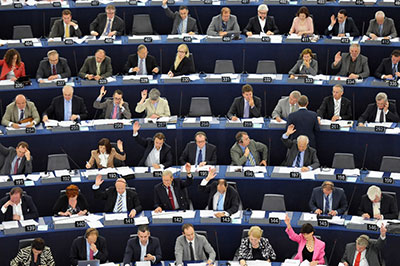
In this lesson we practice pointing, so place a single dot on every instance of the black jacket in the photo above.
(61, 204)
(189, 154)
(388, 208)
(237, 108)
(148, 144)
(110, 196)
(369, 114)
(132, 62)
(78, 250)
(185, 67)
(306, 123)
(44, 70)
(385, 68)
(255, 27)
(349, 27)
(133, 249)
(29, 209)
(56, 108)
(327, 108)
(232, 199)
(179, 186)
(100, 22)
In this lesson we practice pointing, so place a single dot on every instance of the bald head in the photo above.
(120, 185)
(20, 101)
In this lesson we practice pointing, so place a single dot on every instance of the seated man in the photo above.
(223, 24)
(352, 65)
(141, 63)
(342, 26)
(248, 152)
(327, 199)
(389, 68)
(107, 24)
(114, 108)
(17, 206)
(366, 250)
(199, 152)
(286, 106)
(142, 247)
(262, 23)
(16, 160)
(96, 67)
(381, 26)
(380, 111)
(335, 107)
(66, 107)
(157, 154)
(299, 154)
(154, 106)
(245, 106)
(53, 67)
(191, 246)
(221, 196)
(378, 205)
(183, 23)
(118, 198)
(20, 113)
(65, 27)
(171, 193)
(92, 246)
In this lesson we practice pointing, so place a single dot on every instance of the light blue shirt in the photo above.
(248, 158)
(124, 208)
(67, 109)
(246, 109)
(284, 136)
(203, 154)
(143, 250)
(88, 251)
(182, 28)
(216, 197)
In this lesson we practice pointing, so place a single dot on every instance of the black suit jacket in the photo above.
(161, 196)
(310, 154)
(148, 144)
(61, 204)
(232, 199)
(306, 123)
(185, 67)
(56, 108)
(237, 108)
(133, 249)
(388, 209)
(132, 62)
(44, 70)
(100, 22)
(385, 68)
(189, 154)
(339, 200)
(110, 196)
(29, 209)
(58, 30)
(327, 108)
(349, 27)
(254, 25)
(89, 67)
(25, 166)
(78, 250)
(369, 114)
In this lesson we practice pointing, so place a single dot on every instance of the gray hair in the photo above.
(167, 173)
(262, 7)
(380, 13)
(373, 192)
(363, 240)
(381, 96)
(339, 86)
(154, 94)
(67, 87)
(356, 45)
(52, 52)
(303, 138)
(295, 94)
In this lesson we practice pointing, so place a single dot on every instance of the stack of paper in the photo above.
(125, 171)
(274, 121)
(375, 174)
(10, 224)
(384, 124)
(115, 216)
(60, 173)
(29, 222)
(309, 216)
(257, 215)
(141, 169)
(337, 220)
(351, 172)
(290, 262)
(3, 178)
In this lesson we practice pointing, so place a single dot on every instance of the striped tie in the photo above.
(337, 108)
(251, 160)
(119, 204)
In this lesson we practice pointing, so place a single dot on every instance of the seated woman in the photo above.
(12, 66)
(306, 65)
(105, 154)
(302, 23)
(72, 202)
(255, 247)
(154, 106)
(182, 65)
(310, 248)
(35, 254)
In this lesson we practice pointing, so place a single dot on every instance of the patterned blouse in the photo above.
(245, 249)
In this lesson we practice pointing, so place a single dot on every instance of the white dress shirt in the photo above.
(378, 115)
(17, 210)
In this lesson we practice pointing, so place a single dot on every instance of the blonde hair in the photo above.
(255, 231)
(177, 59)
(363, 240)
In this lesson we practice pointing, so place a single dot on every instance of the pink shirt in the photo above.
(307, 26)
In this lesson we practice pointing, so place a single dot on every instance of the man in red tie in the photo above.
(16, 160)
(53, 67)
(91, 246)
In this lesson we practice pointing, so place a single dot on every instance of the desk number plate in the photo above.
(177, 219)
(80, 224)
(226, 219)
(323, 223)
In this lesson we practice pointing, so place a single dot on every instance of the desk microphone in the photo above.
(269, 151)
(75, 63)
(364, 158)
(69, 157)
(330, 256)
(352, 196)
(216, 240)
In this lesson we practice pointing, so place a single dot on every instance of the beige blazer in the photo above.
(161, 110)
(110, 163)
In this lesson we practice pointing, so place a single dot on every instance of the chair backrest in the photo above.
(343, 160)
(117, 163)
(203, 233)
(22, 31)
(266, 67)
(142, 25)
(23, 243)
(273, 202)
(193, 66)
(133, 235)
(57, 162)
(200, 106)
(52, 20)
(224, 66)
(234, 185)
(245, 233)
(390, 164)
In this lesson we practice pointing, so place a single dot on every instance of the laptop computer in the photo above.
(88, 263)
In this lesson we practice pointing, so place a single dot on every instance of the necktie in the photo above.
(53, 70)
(91, 257)
(171, 198)
(298, 160)
(358, 259)
(381, 117)
(246, 111)
(16, 166)
(337, 108)
(108, 27)
(224, 26)
(251, 159)
(292, 108)
(141, 67)
(119, 204)
(375, 209)
(200, 157)
(21, 116)
(191, 251)
(394, 70)
(341, 28)
(326, 204)
(66, 31)
(380, 30)
(115, 112)
(98, 69)
(220, 205)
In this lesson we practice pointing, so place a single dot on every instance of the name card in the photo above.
(66, 178)
(177, 219)
(112, 175)
(30, 130)
(274, 220)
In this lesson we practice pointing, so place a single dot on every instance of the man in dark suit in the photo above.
(157, 153)
(389, 68)
(262, 23)
(199, 152)
(53, 67)
(118, 197)
(92, 246)
(327, 199)
(378, 205)
(305, 121)
(16, 160)
(171, 193)
(342, 26)
(17, 206)
(183, 23)
(221, 196)
(381, 111)
(114, 108)
(335, 107)
(134, 251)
(365, 249)
(96, 67)
(141, 63)
(352, 65)
(248, 152)
(299, 153)
(107, 24)
(381, 26)
(66, 107)
(245, 106)
(65, 27)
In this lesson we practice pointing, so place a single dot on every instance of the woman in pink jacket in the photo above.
(310, 248)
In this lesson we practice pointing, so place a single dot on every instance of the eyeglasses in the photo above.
(182, 52)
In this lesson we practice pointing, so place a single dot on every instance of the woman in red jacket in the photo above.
(12, 66)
